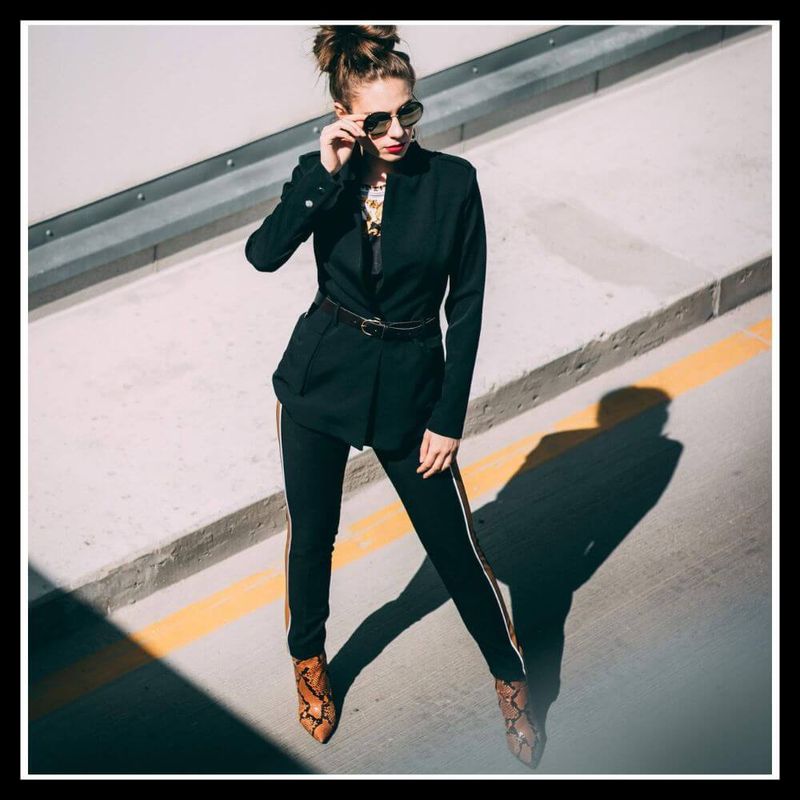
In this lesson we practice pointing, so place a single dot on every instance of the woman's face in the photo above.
(383, 95)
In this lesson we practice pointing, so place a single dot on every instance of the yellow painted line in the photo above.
(388, 524)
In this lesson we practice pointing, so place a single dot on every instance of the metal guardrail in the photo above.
(123, 231)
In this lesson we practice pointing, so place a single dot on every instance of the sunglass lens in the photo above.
(411, 115)
(380, 127)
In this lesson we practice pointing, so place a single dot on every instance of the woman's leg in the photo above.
(439, 510)
(313, 465)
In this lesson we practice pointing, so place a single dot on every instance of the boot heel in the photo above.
(315, 707)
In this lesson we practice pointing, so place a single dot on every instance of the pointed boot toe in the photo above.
(524, 735)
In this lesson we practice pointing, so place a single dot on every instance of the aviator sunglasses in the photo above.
(378, 122)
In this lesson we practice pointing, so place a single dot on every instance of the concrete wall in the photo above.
(111, 106)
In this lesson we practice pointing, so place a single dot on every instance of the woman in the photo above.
(393, 224)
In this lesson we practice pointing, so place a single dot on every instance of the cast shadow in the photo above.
(148, 719)
(577, 496)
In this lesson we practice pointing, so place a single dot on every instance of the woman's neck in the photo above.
(374, 170)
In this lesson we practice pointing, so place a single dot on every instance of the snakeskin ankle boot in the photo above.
(316, 710)
(524, 737)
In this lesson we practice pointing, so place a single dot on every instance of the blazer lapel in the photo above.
(401, 187)
(348, 246)
(401, 202)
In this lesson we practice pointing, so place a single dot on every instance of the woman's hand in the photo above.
(337, 140)
(436, 453)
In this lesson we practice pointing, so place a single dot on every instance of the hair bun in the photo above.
(353, 55)
(357, 45)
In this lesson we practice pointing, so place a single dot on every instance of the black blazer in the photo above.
(361, 388)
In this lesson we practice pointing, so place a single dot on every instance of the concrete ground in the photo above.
(629, 524)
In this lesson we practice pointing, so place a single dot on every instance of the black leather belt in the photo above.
(373, 326)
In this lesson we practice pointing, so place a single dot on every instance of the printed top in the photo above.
(372, 215)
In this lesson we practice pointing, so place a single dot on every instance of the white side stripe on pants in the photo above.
(287, 611)
(455, 474)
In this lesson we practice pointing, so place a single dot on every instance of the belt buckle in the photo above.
(372, 319)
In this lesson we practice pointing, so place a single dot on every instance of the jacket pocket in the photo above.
(432, 342)
(432, 356)
(304, 343)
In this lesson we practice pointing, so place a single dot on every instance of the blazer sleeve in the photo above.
(310, 190)
(464, 311)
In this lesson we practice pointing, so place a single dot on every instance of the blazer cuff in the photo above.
(309, 190)
(446, 425)
(318, 188)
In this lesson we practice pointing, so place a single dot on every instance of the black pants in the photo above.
(313, 465)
